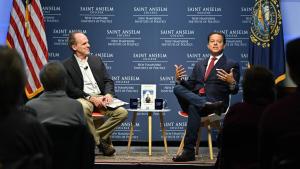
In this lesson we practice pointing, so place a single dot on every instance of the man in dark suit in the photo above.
(91, 85)
(206, 91)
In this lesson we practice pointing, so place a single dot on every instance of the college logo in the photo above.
(266, 22)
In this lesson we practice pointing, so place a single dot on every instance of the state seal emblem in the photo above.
(266, 22)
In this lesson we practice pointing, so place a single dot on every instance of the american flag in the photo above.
(27, 35)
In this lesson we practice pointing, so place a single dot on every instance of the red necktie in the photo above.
(210, 66)
(208, 70)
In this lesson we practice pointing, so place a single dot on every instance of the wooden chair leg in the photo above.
(131, 131)
(198, 142)
(180, 148)
(163, 131)
(209, 139)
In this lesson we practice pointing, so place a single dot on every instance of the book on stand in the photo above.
(148, 95)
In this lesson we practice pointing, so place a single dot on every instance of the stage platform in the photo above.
(139, 159)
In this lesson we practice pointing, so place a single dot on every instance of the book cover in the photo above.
(148, 95)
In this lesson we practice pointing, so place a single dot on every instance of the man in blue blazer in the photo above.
(206, 91)
(91, 85)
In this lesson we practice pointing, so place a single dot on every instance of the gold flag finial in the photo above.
(27, 15)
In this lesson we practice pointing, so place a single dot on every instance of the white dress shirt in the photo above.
(218, 57)
(89, 83)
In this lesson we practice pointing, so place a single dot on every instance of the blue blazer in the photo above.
(215, 89)
(75, 78)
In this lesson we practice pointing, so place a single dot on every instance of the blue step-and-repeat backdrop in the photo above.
(141, 40)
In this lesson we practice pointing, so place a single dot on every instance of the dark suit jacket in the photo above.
(75, 79)
(215, 89)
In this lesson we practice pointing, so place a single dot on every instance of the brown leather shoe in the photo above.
(106, 148)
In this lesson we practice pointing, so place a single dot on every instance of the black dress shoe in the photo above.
(185, 156)
(214, 107)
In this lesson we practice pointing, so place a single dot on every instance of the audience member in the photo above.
(54, 106)
(24, 143)
(73, 145)
(206, 91)
(239, 147)
(280, 124)
(91, 85)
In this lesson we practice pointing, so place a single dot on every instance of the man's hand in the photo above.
(99, 101)
(108, 98)
(226, 77)
(179, 72)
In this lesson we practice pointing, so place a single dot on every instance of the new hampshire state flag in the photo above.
(266, 46)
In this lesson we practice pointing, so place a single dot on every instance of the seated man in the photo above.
(206, 91)
(91, 85)
(24, 142)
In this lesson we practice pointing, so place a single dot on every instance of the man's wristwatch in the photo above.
(232, 85)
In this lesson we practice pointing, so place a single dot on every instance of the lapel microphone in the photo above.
(86, 67)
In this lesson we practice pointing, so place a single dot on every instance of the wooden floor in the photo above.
(139, 158)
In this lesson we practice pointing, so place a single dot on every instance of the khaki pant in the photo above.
(104, 131)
